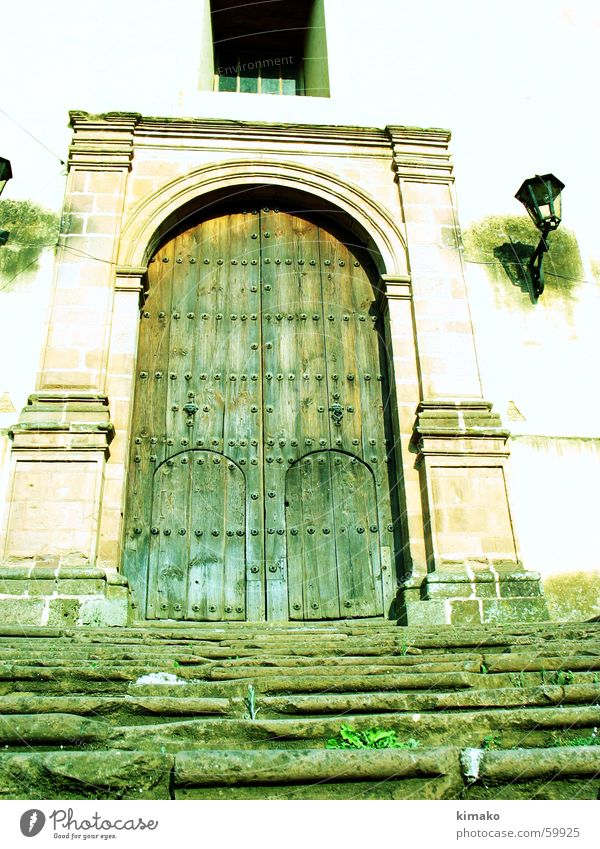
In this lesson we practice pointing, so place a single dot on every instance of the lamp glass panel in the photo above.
(270, 80)
(5, 171)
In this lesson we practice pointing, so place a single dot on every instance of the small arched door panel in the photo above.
(197, 564)
(333, 541)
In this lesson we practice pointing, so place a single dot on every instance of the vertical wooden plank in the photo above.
(321, 587)
(216, 574)
(340, 343)
(374, 402)
(294, 380)
(242, 425)
(363, 425)
(357, 537)
(276, 249)
(295, 541)
(169, 549)
(201, 564)
(234, 560)
(149, 423)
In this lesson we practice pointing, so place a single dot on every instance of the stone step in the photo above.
(503, 727)
(445, 772)
(138, 662)
(118, 680)
(213, 681)
(80, 719)
(318, 773)
(418, 701)
(90, 705)
(111, 774)
(385, 774)
(339, 650)
(569, 772)
(183, 701)
(510, 634)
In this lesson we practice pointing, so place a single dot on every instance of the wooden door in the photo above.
(258, 428)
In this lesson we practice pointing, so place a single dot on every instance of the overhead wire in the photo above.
(31, 135)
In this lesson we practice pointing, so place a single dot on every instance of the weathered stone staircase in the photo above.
(245, 710)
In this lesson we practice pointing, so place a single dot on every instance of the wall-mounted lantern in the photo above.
(5, 175)
(541, 198)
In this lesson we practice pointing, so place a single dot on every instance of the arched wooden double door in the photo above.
(259, 483)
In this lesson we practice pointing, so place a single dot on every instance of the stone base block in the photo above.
(62, 595)
(473, 597)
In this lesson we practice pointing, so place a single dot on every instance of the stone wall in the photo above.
(131, 179)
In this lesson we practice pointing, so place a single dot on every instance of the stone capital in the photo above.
(397, 287)
(64, 420)
(130, 278)
(421, 154)
(102, 144)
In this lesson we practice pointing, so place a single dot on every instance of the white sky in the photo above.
(516, 81)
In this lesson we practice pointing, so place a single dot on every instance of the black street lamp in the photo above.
(5, 175)
(541, 198)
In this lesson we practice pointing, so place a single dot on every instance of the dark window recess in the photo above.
(266, 47)
(251, 74)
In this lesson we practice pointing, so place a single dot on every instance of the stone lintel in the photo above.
(421, 150)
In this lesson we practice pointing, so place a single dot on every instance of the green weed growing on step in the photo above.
(250, 703)
(484, 670)
(561, 677)
(592, 739)
(518, 679)
(491, 741)
(369, 738)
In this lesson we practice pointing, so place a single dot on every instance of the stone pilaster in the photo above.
(473, 571)
(61, 442)
(59, 449)
(120, 379)
(404, 378)
(100, 159)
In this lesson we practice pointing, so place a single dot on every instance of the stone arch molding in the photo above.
(139, 236)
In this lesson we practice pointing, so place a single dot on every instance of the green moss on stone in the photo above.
(32, 230)
(505, 244)
(573, 596)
